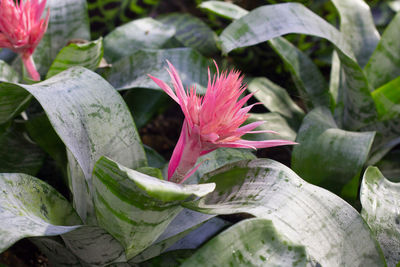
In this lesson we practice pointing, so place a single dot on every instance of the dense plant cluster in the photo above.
(80, 78)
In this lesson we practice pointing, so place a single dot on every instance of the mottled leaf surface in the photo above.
(328, 156)
(252, 242)
(92, 120)
(380, 199)
(136, 208)
(136, 35)
(355, 104)
(86, 55)
(192, 32)
(68, 20)
(276, 99)
(30, 207)
(332, 231)
(131, 72)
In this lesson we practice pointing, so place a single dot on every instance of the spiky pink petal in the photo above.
(21, 29)
(211, 121)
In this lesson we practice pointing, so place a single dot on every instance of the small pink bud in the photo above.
(211, 121)
(22, 28)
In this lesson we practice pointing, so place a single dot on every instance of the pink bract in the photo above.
(21, 29)
(211, 121)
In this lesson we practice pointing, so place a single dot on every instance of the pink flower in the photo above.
(21, 29)
(211, 121)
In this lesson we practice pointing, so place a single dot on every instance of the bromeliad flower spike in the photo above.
(21, 29)
(211, 121)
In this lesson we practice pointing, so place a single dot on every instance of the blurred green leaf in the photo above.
(7, 74)
(136, 35)
(224, 9)
(384, 64)
(131, 72)
(328, 156)
(276, 99)
(192, 32)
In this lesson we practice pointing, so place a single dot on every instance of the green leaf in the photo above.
(357, 24)
(384, 64)
(306, 75)
(380, 200)
(94, 246)
(136, 35)
(7, 74)
(182, 228)
(387, 100)
(136, 208)
(18, 153)
(306, 213)
(30, 207)
(79, 104)
(252, 242)
(13, 100)
(42, 132)
(192, 32)
(86, 55)
(145, 103)
(276, 99)
(328, 156)
(224, 9)
(131, 72)
(275, 122)
(218, 158)
(154, 159)
(390, 165)
(55, 251)
(356, 107)
(168, 259)
(68, 21)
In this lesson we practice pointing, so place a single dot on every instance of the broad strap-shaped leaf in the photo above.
(17, 153)
(306, 75)
(187, 226)
(332, 231)
(380, 199)
(68, 20)
(136, 208)
(7, 74)
(252, 242)
(267, 22)
(13, 100)
(328, 156)
(273, 122)
(387, 100)
(357, 24)
(224, 9)
(136, 35)
(93, 246)
(30, 207)
(276, 99)
(311, 84)
(86, 55)
(218, 158)
(390, 165)
(79, 103)
(154, 159)
(384, 64)
(192, 32)
(131, 72)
